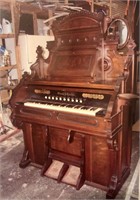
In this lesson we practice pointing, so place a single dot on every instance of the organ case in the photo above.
(75, 108)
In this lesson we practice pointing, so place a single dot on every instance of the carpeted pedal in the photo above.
(54, 169)
(71, 176)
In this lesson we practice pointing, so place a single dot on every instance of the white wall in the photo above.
(28, 45)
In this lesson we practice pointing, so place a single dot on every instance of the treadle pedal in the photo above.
(71, 176)
(68, 174)
(54, 169)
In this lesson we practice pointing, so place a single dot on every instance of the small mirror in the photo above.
(123, 33)
(120, 26)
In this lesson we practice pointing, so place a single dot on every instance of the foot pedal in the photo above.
(72, 175)
(68, 174)
(54, 169)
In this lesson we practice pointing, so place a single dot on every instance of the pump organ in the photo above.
(75, 108)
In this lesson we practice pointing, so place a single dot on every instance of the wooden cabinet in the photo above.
(7, 70)
(65, 153)
(36, 152)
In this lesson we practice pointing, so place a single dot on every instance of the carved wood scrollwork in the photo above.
(107, 64)
(113, 144)
(40, 67)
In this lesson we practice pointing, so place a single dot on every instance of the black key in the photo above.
(84, 108)
(63, 105)
(69, 106)
(93, 108)
(78, 106)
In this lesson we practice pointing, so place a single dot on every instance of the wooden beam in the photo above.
(50, 22)
(127, 7)
(110, 8)
(66, 1)
(92, 6)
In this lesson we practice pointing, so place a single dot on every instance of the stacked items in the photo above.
(4, 57)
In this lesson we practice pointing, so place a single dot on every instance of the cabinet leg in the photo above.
(110, 195)
(25, 159)
(113, 188)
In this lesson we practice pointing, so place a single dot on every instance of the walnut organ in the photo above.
(75, 107)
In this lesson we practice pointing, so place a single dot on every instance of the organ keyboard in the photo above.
(75, 108)
(91, 111)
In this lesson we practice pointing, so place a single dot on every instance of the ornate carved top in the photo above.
(84, 50)
(77, 20)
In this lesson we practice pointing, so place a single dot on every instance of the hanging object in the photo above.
(6, 26)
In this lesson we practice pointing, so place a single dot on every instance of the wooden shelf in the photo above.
(10, 7)
(7, 87)
(7, 67)
(4, 36)
(5, 5)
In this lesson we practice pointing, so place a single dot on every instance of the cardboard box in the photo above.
(3, 78)
(4, 95)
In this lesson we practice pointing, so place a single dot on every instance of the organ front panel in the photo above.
(75, 108)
